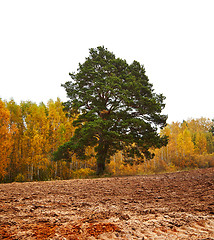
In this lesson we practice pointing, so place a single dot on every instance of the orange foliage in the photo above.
(6, 132)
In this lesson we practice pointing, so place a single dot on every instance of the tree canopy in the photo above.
(117, 109)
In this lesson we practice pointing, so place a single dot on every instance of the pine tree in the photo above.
(117, 106)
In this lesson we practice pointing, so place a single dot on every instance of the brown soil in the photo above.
(166, 206)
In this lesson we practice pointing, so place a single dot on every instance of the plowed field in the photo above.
(166, 206)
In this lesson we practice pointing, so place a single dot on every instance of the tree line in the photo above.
(30, 133)
(108, 125)
(190, 145)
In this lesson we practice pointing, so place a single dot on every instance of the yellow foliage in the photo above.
(83, 173)
(200, 143)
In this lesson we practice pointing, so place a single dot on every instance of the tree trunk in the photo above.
(100, 165)
(101, 158)
(31, 172)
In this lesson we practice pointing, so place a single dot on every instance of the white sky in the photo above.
(42, 41)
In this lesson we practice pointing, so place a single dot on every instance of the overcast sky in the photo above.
(42, 41)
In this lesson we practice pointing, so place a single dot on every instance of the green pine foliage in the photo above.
(118, 109)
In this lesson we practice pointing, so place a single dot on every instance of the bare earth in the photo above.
(166, 206)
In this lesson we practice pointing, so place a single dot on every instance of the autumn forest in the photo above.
(31, 133)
